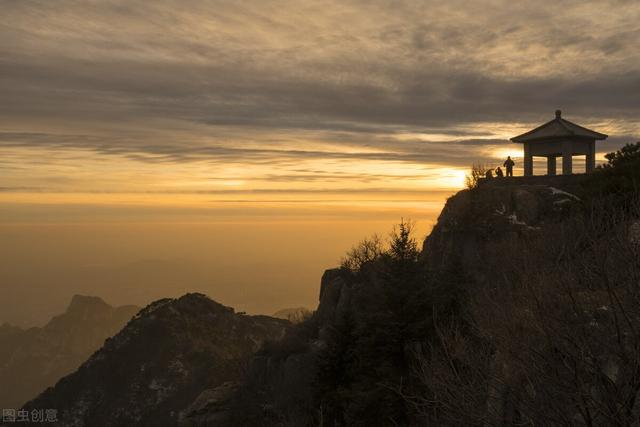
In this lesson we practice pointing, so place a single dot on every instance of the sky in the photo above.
(239, 148)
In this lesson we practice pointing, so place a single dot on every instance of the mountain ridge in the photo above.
(35, 358)
(154, 370)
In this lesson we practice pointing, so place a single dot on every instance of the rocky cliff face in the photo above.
(470, 225)
(294, 315)
(174, 359)
(474, 221)
(467, 250)
(34, 359)
(335, 298)
(551, 266)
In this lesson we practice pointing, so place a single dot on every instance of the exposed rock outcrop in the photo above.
(294, 315)
(335, 294)
(471, 221)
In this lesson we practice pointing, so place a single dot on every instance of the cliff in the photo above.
(471, 228)
(517, 279)
(472, 221)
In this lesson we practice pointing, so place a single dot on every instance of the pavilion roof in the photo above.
(558, 128)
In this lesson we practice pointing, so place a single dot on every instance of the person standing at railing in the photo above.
(509, 164)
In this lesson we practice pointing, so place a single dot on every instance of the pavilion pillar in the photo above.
(566, 162)
(528, 160)
(591, 157)
(551, 165)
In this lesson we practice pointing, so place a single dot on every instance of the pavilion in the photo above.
(559, 138)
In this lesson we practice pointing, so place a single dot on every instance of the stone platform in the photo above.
(549, 180)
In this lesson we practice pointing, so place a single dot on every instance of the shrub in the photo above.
(619, 176)
(478, 170)
(367, 250)
(630, 153)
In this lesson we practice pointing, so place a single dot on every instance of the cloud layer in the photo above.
(275, 82)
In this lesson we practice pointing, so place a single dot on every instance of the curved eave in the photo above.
(569, 128)
(599, 137)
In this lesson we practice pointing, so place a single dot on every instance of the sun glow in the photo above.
(450, 178)
(504, 152)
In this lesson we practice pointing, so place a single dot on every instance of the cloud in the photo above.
(16, 189)
(385, 148)
(267, 82)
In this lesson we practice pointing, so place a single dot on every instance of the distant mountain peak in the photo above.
(85, 301)
(33, 359)
(188, 303)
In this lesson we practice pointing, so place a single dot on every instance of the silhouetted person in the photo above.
(499, 173)
(488, 174)
(509, 165)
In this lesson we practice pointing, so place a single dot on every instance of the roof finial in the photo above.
(558, 114)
